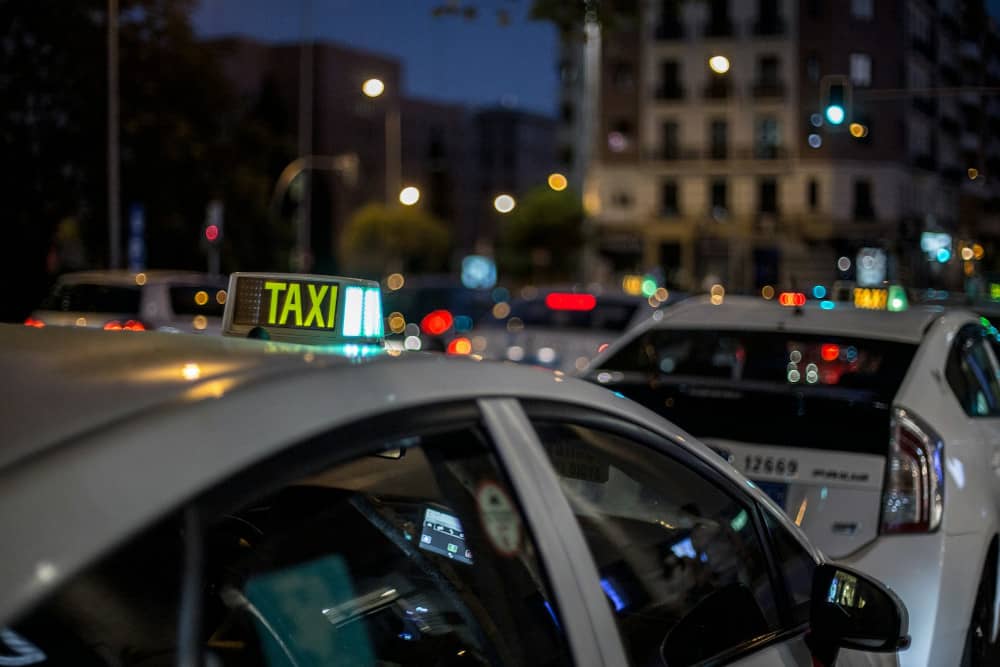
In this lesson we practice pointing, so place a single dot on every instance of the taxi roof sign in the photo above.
(302, 308)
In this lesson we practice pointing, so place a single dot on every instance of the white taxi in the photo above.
(878, 433)
(224, 501)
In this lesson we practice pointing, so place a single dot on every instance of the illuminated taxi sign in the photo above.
(871, 298)
(304, 308)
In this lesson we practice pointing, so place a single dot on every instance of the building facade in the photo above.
(713, 159)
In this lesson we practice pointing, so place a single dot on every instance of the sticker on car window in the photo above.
(500, 518)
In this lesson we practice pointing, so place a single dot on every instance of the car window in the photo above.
(89, 298)
(796, 566)
(972, 372)
(207, 300)
(603, 315)
(418, 560)
(679, 559)
(419, 556)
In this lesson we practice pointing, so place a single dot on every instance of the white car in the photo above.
(175, 499)
(878, 432)
(171, 301)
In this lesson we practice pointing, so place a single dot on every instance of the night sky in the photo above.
(448, 58)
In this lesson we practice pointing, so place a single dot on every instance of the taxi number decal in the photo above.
(294, 304)
(770, 464)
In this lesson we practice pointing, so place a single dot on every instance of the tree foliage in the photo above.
(379, 240)
(542, 237)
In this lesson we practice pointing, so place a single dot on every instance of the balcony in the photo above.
(768, 89)
(674, 153)
(718, 152)
(670, 91)
(669, 31)
(718, 88)
(719, 27)
(768, 152)
(771, 26)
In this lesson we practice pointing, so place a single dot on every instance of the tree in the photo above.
(378, 240)
(541, 238)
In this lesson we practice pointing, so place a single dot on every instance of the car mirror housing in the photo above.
(852, 610)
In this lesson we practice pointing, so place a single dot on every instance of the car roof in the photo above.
(123, 277)
(108, 431)
(757, 314)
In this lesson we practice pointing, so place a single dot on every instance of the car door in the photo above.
(695, 571)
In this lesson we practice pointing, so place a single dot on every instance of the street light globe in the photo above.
(719, 64)
(409, 196)
(504, 203)
(557, 182)
(373, 87)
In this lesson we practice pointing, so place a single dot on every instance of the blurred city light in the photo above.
(140, 279)
(395, 281)
(858, 131)
(661, 294)
(199, 322)
(844, 263)
(211, 233)
(504, 203)
(967, 253)
(897, 299)
(815, 141)
(973, 173)
(201, 297)
(409, 196)
(835, 114)
(792, 299)
(81, 321)
(819, 292)
(816, 120)
(826, 304)
(977, 251)
(718, 294)
(191, 371)
(767, 292)
(397, 323)
(460, 346)
(373, 87)
(501, 310)
(719, 64)
(632, 284)
(648, 286)
(558, 182)
(943, 255)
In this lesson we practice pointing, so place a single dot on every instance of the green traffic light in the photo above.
(835, 114)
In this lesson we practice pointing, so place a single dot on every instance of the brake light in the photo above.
(913, 499)
(436, 322)
(129, 325)
(792, 299)
(460, 345)
(33, 322)
(829, 352)
(570, 301)
(113, 325)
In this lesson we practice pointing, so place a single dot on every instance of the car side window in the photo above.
(796, 566)
(419, 559)
(418, 556)
(679, 558)
(972, 371)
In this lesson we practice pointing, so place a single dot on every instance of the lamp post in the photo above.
(374, 88)
(114, 169)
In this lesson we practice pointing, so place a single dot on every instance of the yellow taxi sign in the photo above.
(304, 308)
(871, 298)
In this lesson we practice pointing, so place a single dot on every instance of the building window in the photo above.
(861, 69)
(812, 67)
(669, 203)
(769, 22)
(863, 206)
(622, 75)
(718, 198)
(863, 9)
(768, 77)
(670, 147)
(768, 196)
(670, 81)
(812, 194)
(567, 71)
(620, 136)
(567, 112)
(621, 199)
(719, 24)
(718, 139)
(670, 26)
(767, 138)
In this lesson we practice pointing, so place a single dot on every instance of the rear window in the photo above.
(207, 300)
(414, 303)
(605, 316)
(778, 388)
(87, 298)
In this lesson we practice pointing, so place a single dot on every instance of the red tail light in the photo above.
(460, 345)
(913, 499)
(436, 322)
(33, 322)
(792, 299)
(128, 325)
(570, 301)
(829, 352)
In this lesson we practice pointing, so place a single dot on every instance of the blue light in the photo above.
(463, 323)
(819, 291)
(619, 394)
(815, 141)
(826, 304)
(406, 636)
(943, 255)
(552, 613)
(835, 114)
(612, 594)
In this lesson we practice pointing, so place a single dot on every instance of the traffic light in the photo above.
(211, 231)
(835, 100)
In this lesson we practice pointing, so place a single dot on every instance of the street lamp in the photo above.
(373, 88)
(504, 203)
(558, 182)
(409, 196)
(719, 64)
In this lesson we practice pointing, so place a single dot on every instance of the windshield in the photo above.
(605, 315)
(93, 298)
(781, 388)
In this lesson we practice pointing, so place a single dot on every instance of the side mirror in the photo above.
(851, 610)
